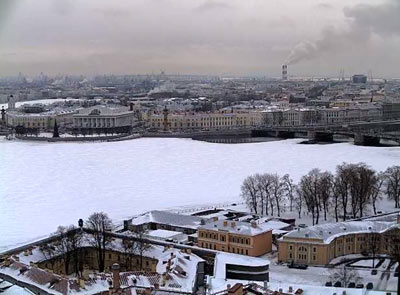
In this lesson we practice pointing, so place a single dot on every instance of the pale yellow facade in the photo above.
(316, 252)
(235, 243)
(203, 121)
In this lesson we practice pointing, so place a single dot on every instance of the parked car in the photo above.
(374, 272)
(338, 284)
(328, 284)
(297, 265)
(370, 286)
(351, 285)
(360, 286)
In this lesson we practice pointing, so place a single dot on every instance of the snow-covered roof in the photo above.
(329, 231)
(162, 233)
(222, 259)
(165, 217)
(237, 227)
(102, 110)
(178, 267)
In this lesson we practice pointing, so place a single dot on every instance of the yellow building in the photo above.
(205, 121)
(318, 245)
(236, 237)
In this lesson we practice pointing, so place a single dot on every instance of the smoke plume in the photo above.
(363, 21)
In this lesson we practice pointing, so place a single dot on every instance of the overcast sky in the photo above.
(223, 37)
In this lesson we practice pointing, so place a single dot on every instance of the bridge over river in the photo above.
(366, 133)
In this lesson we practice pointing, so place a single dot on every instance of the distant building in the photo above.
(244, 238)
(359, 79)
(103, 117)
(37, 116)
(205, 121)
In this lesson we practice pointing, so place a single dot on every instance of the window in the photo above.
(247, 251)
(290, 247)
(290, 255)
(314, 249)
(109, 256)
(314, 257)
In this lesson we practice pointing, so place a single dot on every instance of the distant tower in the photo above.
(11, 102)
(165, 113)
(284, 73)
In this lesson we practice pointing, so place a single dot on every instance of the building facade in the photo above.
(205, 121)
(236, 237)
(103, 117)
(318, 245)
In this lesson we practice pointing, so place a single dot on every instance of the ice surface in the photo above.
(43, 185)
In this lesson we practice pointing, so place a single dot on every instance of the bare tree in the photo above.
(362, 182)
(249, 193)
(99, 224)
(309, 190)
(392, 184)
(263, 188)
(129, 249)
(325, 189)
(48, 251)
(342, 186)
(289, 189)
(141, 245)
(299, 200)
(373, 245)
(66, 246)
(376, 194)
(277, 191)
(345, 275)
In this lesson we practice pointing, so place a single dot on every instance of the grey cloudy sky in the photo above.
(224, 37)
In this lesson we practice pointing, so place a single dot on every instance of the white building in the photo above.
(101, 116)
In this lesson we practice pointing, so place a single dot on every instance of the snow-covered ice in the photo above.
(43, 185)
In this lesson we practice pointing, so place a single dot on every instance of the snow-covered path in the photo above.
(43, 185)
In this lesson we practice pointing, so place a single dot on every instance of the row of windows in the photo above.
(230, 249)
(303, 249)
(302, 256)
(233, 239)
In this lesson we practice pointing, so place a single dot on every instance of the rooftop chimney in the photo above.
(237, 289)
(115, 272)
(284, 73)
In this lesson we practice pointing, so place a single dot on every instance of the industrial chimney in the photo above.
(284, 73)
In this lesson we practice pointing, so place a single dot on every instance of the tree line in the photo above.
(68, 243)
(346, 194)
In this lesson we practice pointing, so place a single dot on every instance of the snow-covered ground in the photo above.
(43, 185)
(43, 101)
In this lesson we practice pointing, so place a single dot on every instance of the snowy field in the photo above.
(43, 185)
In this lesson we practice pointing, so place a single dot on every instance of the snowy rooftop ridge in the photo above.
(329, 231)
(165, 217)
(237, 227)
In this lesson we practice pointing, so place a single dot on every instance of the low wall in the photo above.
(72, 139)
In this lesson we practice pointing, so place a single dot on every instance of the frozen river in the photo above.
(44, 185)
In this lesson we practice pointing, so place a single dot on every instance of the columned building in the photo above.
(103, 117)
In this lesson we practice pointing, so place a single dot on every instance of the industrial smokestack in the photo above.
(284, 73)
